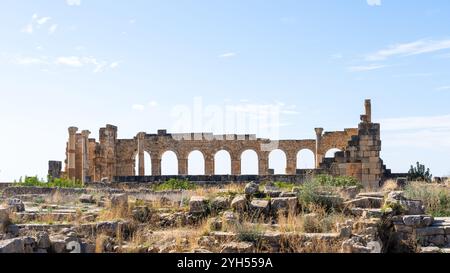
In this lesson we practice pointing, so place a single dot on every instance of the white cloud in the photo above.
(138, 107)
(228, 55)
(43, 20)
(78, 62)
(114, 65)
(409, 49)
(153, 103)
(29, 60)
(364, 68)
(73, 2)
(28, 29)
(36, 23)
(52, 29)
(443, 88)
(374, 2)
(414, 123)
(70, 61)
(412, 131)
(132, 21)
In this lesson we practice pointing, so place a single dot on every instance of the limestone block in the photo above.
(260, 206)
(238, 247)
(198, 204)
(239, 203)
(15, 245)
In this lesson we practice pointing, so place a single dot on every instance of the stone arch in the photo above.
(147, 161)
(331, 152)
(222, 162)
(278, 161)
(306, 159)
(249, 162)
(196, 163)
(169, 163)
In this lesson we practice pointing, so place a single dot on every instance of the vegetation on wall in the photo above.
(34, 181)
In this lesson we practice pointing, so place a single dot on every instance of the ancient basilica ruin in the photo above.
(114, 159)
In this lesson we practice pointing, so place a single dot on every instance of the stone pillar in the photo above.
(156, 165)
(235, 166)
(291, 164)
(182, 166)
(318, 154)
(85, 155)
(368, 106)
(209, 165)
(263, 164)
(71, 152)
(141, 157)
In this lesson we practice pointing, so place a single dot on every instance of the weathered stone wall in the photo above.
(112, 157)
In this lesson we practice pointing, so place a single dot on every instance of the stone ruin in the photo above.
(114, 159)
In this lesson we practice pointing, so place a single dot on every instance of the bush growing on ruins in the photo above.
(34, 181)
(175, 184)
(435, 198)
(419, 173)
(337, 181)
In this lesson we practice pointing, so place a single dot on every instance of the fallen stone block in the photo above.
(198, 205)
(238, 247)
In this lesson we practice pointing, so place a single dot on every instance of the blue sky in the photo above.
(142, 65)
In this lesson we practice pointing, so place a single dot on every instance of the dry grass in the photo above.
(436, 197)
(390, 185)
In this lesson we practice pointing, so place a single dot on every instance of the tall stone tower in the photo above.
(362, 159)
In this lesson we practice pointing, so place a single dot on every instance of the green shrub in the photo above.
(34, 181)
(284, 185)
(435, 198)
(175, 184)
(337, 181)
(419, 173)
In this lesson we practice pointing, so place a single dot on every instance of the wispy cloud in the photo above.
(52, 29)
(443, 88)
(411, 131)
(138, 107)
(409, 49)
(30, 60)
(73, 2)
(37, 22)
(228, 55)
(374, 2)
(414, 123)
(364, 68)
(50, 63)
(153, 103)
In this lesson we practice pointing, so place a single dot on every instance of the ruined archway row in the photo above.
(126, 157)
(359, 156)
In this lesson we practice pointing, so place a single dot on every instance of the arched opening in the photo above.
(278, 161)
(169, 163)
(147, 164)
(306, 160)
(196, 163)
(222, 163)
(249, 163)
(331, 152)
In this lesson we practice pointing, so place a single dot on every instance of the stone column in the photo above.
(182, 166)
(235, 165)
(318, 154)
(209, 164)
(85, 155)
(71, 152)
(291, 164)
(263, 164)
(156, 164)
(141, 157)
(368, 106)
